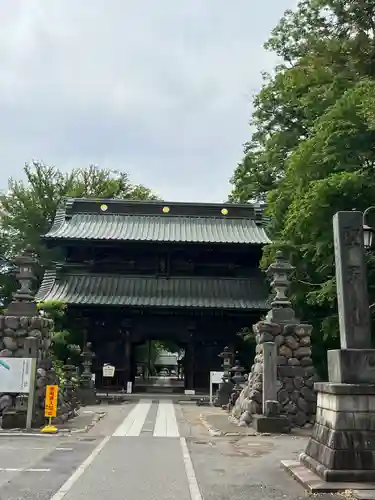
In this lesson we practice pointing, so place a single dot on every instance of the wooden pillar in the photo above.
(126, 331)
(127, 359)
(190, 362)
(133, 363)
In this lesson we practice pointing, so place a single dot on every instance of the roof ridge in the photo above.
(68, 273)
(157, 227)
(215, 293)
(166, 216)
(126, 201)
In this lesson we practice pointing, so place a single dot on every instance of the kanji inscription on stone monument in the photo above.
(351, 276)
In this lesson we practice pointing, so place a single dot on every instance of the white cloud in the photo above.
(160, 89)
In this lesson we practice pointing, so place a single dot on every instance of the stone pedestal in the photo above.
(295, 373)
(271, 421)
(223, 393)
(342, 446)
(87, 397)
(14, 419)
(271, 425)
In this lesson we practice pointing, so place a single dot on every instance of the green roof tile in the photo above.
(158, 228)
(222, 293)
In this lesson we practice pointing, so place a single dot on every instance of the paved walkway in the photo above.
(146, 450)
(145, 458)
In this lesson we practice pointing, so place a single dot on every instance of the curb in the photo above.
(211, 430)
(214, 432)
(61, 432)
(97, 417)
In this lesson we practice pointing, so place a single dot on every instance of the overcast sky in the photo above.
(158, 88)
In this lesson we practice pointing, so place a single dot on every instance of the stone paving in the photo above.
(141, 457)
(87, 417)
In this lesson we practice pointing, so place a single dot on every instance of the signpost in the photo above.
(50, 408)
(17, 376)
(215, 378)
(108, 370)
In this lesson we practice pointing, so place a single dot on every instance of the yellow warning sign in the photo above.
(50, 409)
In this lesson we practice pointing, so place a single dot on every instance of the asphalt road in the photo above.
(147, 450)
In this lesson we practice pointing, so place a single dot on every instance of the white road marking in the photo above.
(66, 487)
(37, 470)
(128, 425)
(27, 434)
(19, 448)
(64, 449)
(166, 423)
(133, 422)
(195, 493)
(25, 470)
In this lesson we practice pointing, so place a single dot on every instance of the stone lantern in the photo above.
(23, 303)
(87, 390)
(69, 389)
(281, 307)
(227, 358)
(238, 375)
(226, 387)
(238, 378)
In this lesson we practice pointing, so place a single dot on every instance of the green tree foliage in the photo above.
(28, 207)
(65, 342)
(148, 352)
(312, 150)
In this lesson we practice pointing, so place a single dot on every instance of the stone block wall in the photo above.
(296, 374)
(15, 331)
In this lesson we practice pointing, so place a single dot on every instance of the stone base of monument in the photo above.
(271, 421)
(87, 396)
(223, 394)
(14, 419)
(342, 445)
(272, 425)
(315, 484)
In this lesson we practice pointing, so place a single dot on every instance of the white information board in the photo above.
(215, 378)
(108, 370)
(16, 375)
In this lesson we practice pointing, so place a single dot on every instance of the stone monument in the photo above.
(342, 446)
(295, 371)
